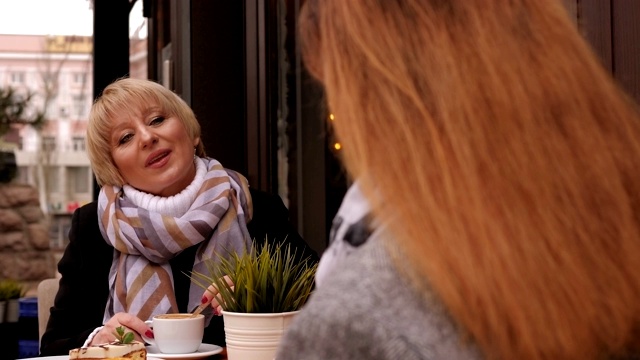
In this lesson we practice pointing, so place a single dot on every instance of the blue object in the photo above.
(27, 349)
(28, 307)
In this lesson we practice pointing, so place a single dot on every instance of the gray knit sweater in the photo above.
(366, 310)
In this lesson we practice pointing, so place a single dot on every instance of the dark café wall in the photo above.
(221, 109)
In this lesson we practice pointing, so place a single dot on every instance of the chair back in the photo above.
(47, 290)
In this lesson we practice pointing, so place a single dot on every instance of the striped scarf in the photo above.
(140, 279)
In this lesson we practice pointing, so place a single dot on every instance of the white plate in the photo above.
(204, 351)
(66, 357)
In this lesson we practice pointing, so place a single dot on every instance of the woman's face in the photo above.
(153, 151)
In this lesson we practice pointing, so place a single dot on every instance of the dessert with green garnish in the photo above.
(124, 347)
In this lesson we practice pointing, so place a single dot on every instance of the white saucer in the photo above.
(204, 351)
(66, 357)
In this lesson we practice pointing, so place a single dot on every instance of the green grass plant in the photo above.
(11, 289)
(267, 279)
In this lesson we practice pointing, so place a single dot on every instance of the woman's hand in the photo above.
(129, 322)
(212, 296)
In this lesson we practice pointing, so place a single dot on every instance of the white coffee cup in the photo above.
(176, 333)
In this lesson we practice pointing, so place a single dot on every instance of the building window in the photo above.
(48, 143)
(18, 77)
(79, 78)
(78, 144)
(79, 104)
(52, 179)
(79, 178)
(59, 232)
(64, 112)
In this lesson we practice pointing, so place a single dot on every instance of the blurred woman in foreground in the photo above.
(501, 164)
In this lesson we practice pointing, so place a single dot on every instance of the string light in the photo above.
(336, 146)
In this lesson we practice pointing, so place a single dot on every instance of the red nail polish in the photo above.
(204, 299)
(215, 312)
(149, 334)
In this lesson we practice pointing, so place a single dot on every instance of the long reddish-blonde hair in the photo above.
(505, 161)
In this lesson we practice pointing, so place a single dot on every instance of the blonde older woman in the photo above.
(163, 207)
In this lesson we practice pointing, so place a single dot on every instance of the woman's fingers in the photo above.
(130, 323)
(212, 296)
(216, 303)
(218, 308)
(102, 337)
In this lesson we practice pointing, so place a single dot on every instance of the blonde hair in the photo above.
(505, 161)
(125, 96)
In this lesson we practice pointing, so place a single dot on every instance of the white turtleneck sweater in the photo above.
(176, 205)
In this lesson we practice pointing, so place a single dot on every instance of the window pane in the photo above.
(53, 180)
(48, 143)
(78, 144)
(79, 176)
(17, 77)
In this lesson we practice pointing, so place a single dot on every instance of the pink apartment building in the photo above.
(54, 159)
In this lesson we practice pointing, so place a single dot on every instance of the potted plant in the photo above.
(270, 285)
(11, 291)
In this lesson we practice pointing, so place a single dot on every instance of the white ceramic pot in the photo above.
(254, 336)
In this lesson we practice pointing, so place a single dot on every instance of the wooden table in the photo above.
(221, 356)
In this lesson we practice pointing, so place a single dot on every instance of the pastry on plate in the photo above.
(123, 348)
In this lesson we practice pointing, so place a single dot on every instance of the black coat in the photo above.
(80, 302)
